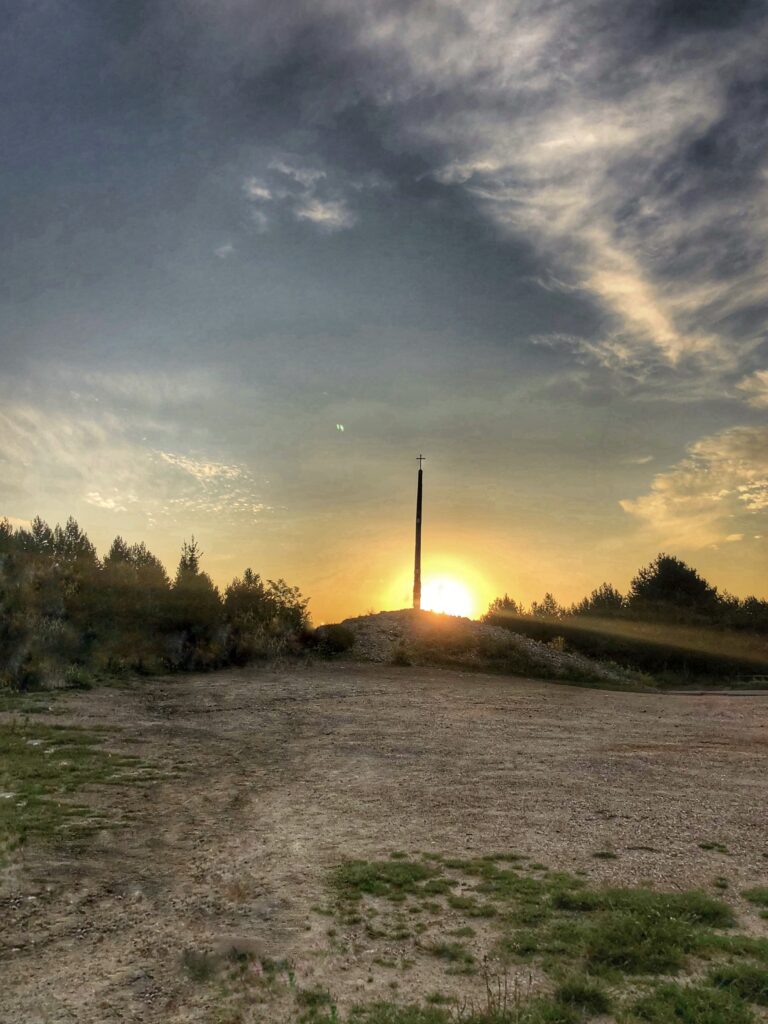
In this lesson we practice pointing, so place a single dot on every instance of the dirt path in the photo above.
(278, 775)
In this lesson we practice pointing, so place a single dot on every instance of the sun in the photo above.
(448, 595)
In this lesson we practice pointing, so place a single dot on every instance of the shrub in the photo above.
(334, 639)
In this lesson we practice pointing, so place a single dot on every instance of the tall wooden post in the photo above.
(417, 560)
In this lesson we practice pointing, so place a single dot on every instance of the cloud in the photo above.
(98, 453)
(722, 482)
(305, 192)
(333, 215)
(254, 189)
(224, 251)
(755, 388)
(623, 142)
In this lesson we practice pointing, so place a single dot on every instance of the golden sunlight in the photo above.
(448, 595)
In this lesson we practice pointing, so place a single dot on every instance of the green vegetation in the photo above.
(691, 1004)
(67, 616)
(356, 878)
(605, 950)
(42, 768)
(672, 624)
(584, 994)
(758, 895)
(713, 846)
(748, 981)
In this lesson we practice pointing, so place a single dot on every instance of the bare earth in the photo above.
(278, 775)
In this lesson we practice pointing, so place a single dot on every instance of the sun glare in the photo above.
(448, 595)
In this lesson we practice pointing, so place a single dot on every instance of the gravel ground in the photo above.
(283, 773)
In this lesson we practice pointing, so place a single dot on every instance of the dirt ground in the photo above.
(277, 775)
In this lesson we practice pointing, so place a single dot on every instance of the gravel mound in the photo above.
(381, 636)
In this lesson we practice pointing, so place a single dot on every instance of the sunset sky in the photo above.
(529, 239)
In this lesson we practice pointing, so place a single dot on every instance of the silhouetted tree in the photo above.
(670, 589)
(604, 600)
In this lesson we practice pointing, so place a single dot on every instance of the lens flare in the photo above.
(448, 595)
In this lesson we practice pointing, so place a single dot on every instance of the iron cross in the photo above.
(420, 459)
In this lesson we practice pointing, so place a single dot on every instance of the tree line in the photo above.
(65, 613)
(665, 591)
(671, 624)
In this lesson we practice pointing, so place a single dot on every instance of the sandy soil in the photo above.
(280, 774)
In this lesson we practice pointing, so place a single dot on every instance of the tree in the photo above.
(505, 605)
(669, 588)
(547, 608)
(604, 600)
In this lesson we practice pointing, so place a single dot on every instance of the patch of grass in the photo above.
(393, 879)
(462, 933)
(453, 952)
(691, 1004)
(584, 994)
(720, 883)
(758, 896)
(714, 847)
(471, 907)
(313, 998)
(201, 967)
(745, 980)
(605, 855)
(41, 768)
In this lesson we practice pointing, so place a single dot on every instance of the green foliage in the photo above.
(356, 878)
(584, 994)
(758, 895)
(691, 1004)
(745, 980)
(64, 615)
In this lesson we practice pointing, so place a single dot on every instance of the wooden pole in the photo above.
(417, 560)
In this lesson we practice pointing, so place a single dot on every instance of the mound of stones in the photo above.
(380, 637)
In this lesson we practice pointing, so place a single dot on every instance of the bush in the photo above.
(334, 639)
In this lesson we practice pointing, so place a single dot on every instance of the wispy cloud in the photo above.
(755, 387)
(333, 215)
(99, 454)
(623, 141)
(305, 192)
(722, 482)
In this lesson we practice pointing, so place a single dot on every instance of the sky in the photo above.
(526, 237)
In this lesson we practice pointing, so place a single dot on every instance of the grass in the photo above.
(745, 980)
(758, 896)
(691, 1004)
(714, 847)
(393, 879)
(583, 994)
(42, 769)
(606, 950)
(201, 967)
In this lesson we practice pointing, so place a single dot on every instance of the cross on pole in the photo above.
(417, 559)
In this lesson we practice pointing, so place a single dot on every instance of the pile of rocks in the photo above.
(381, 636)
